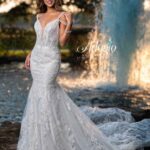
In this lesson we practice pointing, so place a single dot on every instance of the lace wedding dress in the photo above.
(51, 120)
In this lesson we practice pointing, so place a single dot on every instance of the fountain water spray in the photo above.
(101, 64)
(127, 23)
(120, 19)
(140, 66)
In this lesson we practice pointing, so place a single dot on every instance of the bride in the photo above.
(51, 120)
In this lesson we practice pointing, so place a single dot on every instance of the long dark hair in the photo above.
(42, 8)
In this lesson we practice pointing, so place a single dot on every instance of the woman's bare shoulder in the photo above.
(39, 14)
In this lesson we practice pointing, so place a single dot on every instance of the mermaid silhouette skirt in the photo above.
(51, 120)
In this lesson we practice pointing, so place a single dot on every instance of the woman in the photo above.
(51, 121)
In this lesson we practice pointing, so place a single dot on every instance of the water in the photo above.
(16, 81)
(14, 87)
(118, 50)
(111, 109)
(120, 19)
(140, 65)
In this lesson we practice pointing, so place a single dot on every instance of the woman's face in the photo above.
(49, 3)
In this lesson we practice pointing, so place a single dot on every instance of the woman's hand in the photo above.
(27, 62)
(68, 17)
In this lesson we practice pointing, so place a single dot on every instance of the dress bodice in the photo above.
(47, 38)
(49, 35)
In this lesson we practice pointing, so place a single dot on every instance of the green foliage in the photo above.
(13, 38)
(87, 5)
(14, 14)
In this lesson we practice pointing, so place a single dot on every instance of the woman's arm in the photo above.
(65, 28)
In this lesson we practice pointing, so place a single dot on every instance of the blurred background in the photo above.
(104, 65)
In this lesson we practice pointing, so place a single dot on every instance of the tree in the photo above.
(86, 5)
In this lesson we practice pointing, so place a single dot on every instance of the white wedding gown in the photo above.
(51, 120)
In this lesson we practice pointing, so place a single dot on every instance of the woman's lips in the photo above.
(49, 1)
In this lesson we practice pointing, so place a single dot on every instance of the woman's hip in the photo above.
(46, 72)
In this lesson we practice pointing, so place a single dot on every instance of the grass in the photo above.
(23, 53)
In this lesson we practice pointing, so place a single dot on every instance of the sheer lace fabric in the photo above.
(51, 120)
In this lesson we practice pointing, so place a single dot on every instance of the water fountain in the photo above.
(126, 23)
(120, 20)
(101, 62)
(140, 66)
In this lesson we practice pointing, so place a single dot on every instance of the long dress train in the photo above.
(51, 120)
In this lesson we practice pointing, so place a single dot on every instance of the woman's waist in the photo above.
(43, 46)
(45, 57)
